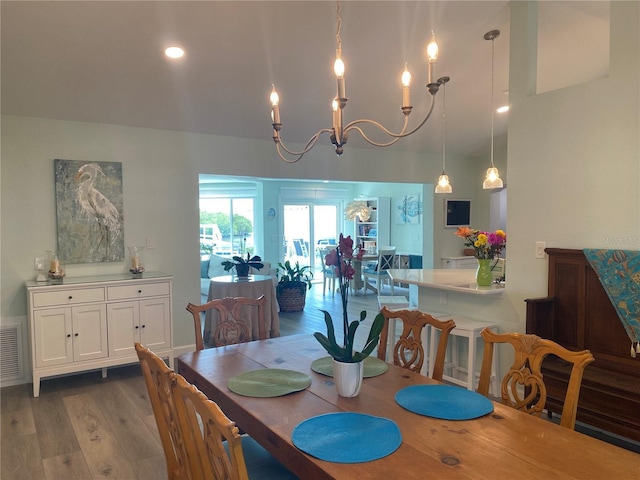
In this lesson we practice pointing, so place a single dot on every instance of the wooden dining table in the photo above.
(503, 444)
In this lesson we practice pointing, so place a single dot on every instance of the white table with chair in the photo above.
(253, 287)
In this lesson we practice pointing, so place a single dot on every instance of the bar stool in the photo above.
(471, 331)
(393, 302)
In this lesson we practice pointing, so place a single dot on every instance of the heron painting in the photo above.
(89, 211)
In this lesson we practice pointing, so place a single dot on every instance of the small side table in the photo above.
(469, 329)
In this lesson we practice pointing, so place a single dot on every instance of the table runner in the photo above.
(444, 401)
(268, 382)
(347, 437)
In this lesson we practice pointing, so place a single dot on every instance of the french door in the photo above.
(309, 227)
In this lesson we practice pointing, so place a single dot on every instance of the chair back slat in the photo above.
(235, 321)
(157, 376)
(408, 351)
(525, 373)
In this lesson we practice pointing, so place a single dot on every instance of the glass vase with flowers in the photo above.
(487, 246)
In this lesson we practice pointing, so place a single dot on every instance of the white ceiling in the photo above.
(102, 61)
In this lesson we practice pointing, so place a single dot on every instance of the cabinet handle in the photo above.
(139, 291)
(76, 335)
(143, 326)
(137, 327)
(70, 297)
(68, 335)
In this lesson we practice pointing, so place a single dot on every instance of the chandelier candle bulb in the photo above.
(338, 68)
(406, 87)
(275, 100)
(432, 54)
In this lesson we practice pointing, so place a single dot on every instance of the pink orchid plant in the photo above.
(341, 259)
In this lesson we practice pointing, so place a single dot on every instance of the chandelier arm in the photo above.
(375, 144)
(299, 154)
(402, 134)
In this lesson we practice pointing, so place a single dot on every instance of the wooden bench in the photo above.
(578, 315)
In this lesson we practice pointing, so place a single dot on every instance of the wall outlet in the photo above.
(540, 253)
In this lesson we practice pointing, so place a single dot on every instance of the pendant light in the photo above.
(492, 179)
(443, 185)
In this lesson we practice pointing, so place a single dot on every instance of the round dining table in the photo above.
(252, 287)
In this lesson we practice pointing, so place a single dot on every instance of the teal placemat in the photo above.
(372, 366)
(444, 401)
(347, 437)
(268, 382)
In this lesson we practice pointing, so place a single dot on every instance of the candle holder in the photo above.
(56, 270)
(136, 266)
(41, 270)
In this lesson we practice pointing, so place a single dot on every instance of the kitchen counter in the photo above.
(455, 280)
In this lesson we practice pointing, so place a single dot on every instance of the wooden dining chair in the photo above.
(525, 375)
(378, 271)
(157, 376)
(408, 351)
(232, 328)
(199, 441)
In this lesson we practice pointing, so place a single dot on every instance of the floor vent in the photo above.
(11, 352)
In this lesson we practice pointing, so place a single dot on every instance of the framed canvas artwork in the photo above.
(89, 211)
(408, 209)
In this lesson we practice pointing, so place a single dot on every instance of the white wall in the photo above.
(574, 155)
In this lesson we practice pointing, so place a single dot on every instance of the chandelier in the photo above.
(339, 132)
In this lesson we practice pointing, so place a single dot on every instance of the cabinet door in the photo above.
(89, 332)
(123, 321)
(155, 329)
(52, 332)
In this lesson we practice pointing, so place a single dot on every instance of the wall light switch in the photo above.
(540, 253)
(151, 242)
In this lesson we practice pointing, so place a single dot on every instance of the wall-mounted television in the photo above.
(457, 213)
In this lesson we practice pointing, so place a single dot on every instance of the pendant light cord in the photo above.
(492, 107)
(444, 124)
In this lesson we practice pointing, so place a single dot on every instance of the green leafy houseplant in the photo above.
(294, 274)
(291, 290)
(341, 258)
(243, 265)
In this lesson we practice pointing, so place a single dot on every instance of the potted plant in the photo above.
(347, 363)
(291, 290)
(242, 265)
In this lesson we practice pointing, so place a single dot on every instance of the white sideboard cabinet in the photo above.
(88, 323)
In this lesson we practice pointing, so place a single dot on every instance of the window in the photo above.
(227, 218)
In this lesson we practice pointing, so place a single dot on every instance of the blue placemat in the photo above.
(444, 401)
(347, 437)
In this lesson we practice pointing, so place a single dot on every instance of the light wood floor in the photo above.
(85, 427)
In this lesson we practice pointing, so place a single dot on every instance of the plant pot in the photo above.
(484, 277)
(348, 378)
(242, 270)
(291, 296)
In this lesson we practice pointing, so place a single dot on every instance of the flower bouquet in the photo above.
(486, 245)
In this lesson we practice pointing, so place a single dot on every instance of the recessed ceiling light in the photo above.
(503, 109)
(174, 52)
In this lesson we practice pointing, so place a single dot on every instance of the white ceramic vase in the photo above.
(348, 378)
